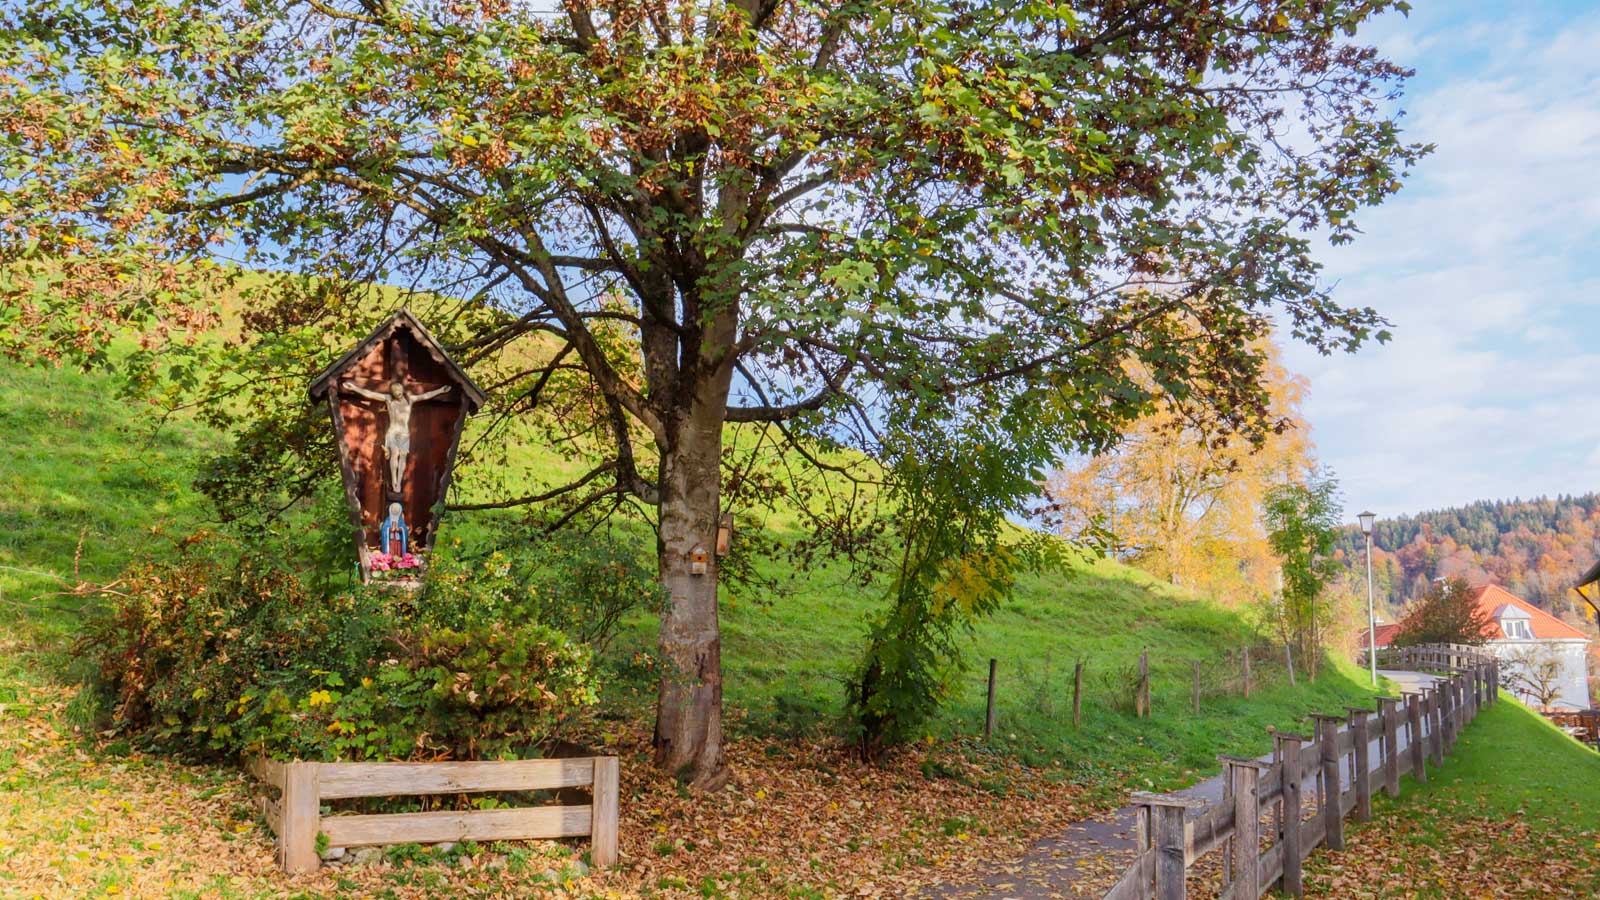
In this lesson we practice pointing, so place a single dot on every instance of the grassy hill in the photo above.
(1513, 812)
(89, 485)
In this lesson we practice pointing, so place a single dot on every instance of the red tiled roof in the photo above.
(1491, 597)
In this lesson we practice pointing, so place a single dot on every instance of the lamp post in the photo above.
(1372, 619)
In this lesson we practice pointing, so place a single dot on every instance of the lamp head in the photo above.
(1366, 522)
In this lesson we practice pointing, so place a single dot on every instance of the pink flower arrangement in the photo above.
(384, 562)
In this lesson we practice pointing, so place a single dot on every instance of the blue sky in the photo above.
(1487, 262)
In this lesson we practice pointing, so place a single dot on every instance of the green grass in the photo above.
(1511, 761)
(88, 486)
(1514, 811)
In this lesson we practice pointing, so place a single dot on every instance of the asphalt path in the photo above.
(1087, 858)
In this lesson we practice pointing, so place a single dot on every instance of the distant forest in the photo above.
(1533, 548)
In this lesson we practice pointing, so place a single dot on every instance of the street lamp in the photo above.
(1372, 619)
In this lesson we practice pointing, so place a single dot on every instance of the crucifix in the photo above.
(397, 437)
(396, 448)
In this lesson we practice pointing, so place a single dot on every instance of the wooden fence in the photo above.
(295, 817)
(1338, 761)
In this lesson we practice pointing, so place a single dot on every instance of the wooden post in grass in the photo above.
(988, 713)
(1390, 707)
(1141, 694)
(1247, 671)
(1419, 767)
(301, 809)
(1447, 719)
(1077, 694)
(1244, 775)
(1362, 739)
(1332, 796)
(1292, 807)
(1197, 687)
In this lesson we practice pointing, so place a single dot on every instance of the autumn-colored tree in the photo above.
(786, 213)
(1447, 613)
(1181, 498)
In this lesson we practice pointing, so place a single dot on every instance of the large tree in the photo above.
(1182, 500)
(789, 212)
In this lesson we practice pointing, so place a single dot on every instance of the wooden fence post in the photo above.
(988, 713)
(1167, 840)
(1197, 687)
(1390, 707)
(1292, 808)
(1077, 694)
(1362, 780)
(1431, 714)
(1331, 798)
(1141, 693)
(297, 843)
(603, 816)
(1244, 775)
(1417, 742)
(1447, 719)
(1247, 671)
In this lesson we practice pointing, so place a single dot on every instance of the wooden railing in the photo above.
(295, 817)
(1173, 833)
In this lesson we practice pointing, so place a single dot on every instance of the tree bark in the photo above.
(688, 736)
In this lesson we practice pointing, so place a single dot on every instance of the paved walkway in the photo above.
(1088, 857)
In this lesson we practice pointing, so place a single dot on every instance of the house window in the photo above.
(1516, 629)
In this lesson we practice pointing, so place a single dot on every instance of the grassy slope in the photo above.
(78, 464)
(1513, 812)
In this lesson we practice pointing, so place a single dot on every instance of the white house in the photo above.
(1540, 655)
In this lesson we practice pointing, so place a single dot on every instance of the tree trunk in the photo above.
(688, 737)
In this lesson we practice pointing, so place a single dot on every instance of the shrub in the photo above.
(225, 652)
(481, 693)
(581, 583)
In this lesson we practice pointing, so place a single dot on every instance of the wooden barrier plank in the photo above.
(603, 842)
(1290, 813)
(342, 780)
(272, 811)
(1417, 747)
(1210, 830)
(297, 842)
(1243, 775)
(535, 823)
(1331, 811)
(1135, 883)
(1271, 865)
(1362, 781)
(267, 770)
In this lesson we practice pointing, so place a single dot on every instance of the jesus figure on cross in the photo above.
(397, 439)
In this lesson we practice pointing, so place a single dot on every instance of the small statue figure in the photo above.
(396, 536)
(397, 439)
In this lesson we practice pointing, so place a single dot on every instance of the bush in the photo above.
(581, 583)
(226, 652)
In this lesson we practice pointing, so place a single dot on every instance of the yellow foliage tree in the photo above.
(1181, 499)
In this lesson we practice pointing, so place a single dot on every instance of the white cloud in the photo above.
(1487, 264)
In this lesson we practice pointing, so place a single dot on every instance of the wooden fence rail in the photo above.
(295, 816)
(1174, 833)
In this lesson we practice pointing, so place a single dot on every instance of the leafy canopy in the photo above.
(777, 211)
